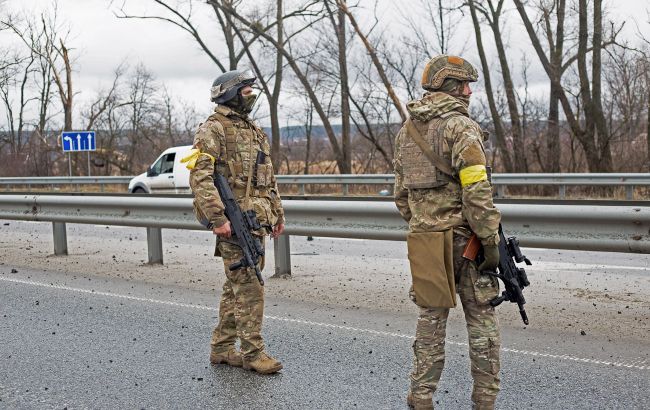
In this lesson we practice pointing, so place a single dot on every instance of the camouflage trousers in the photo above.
(241, 309)
(475, 292)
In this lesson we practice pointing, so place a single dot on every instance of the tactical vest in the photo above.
(239, 151)
(417, 169)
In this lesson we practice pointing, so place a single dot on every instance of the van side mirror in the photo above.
(150, 172)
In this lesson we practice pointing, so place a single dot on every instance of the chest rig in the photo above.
(426, 154)
(245, 157)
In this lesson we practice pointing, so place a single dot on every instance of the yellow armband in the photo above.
(473, 174)
(194, 155)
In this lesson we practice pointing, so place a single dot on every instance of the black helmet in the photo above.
(225, 87)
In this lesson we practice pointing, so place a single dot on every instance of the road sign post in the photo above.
(76, 141)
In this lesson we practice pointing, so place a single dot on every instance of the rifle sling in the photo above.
(438, 161)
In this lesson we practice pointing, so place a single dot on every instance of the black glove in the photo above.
(491, 255)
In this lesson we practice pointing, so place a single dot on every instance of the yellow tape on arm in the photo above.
(473, 174)
(194, 156)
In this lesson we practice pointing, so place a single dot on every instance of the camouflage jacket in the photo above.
(234, 140)
(430, 200)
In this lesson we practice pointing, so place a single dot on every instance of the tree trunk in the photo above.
(275, 97)
(553, 134)
(67, 100)
(345, 94)
(496, 118)
(537, 45)
(553, 146)
(308, 129)
(596, 153)
(603, 137)
(647, 135)
(518, 145)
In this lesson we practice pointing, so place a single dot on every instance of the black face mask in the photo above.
(242, 104)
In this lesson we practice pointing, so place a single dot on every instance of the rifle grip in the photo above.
(471, 248)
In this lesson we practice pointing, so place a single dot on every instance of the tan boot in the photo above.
(263, 364)
(417, 403)
(230, 357)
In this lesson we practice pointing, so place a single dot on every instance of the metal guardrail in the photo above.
(577, 227)
(627, 180)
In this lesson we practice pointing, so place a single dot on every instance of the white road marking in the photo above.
(636, 364)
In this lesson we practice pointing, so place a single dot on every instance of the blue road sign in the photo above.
(78, 141)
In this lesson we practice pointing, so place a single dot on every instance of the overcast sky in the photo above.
(100, 42)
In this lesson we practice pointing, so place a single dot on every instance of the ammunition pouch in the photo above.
(264, 177)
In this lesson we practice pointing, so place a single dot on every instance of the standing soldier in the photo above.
(233, 141)
(441, 185)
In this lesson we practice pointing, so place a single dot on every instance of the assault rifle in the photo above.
(242, 224)
(514, 278)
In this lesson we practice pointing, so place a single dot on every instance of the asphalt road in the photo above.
(82, 342)
(101, 329)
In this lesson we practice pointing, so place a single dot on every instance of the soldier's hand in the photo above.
(277, 230)
(491, 262)
(223, 231)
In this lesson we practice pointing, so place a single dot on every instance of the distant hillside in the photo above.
(297, 132)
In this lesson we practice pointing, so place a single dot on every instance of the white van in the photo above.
(167, 175)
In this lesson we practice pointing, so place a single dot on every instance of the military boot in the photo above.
(230, 357)
(263, 364)
(418, 403)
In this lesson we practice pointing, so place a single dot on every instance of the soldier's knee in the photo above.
(484, 354)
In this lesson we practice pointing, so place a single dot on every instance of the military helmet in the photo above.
(225, 87)
(442, 67)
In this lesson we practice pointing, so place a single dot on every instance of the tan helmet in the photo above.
(441, 67)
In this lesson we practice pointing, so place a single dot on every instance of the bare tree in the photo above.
(337, 18)
(492, 10)
(375, 60)
(51, 47)
(554, 10)
(15, 75)
(593, 136)
(300, 74)
(499, 131)
(238, 46)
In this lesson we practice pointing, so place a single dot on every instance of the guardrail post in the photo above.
(60, 238)
(301, 189)
(282, 250)
(501, 191)
(154, 245)
(346, 190)
(562, 191)
(629, 192)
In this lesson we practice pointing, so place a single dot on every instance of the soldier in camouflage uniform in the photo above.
(232, 140)
(430, 200)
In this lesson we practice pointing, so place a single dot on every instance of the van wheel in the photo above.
(139, 190)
